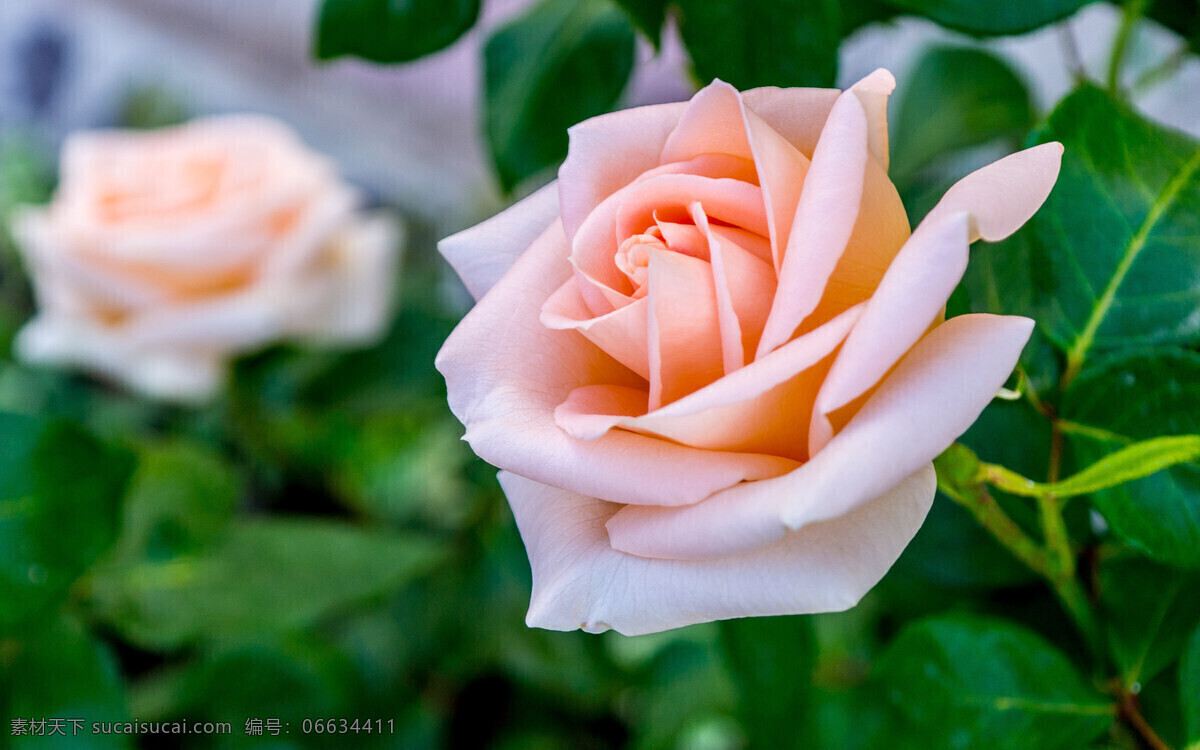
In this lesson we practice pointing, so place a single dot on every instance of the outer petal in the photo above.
(181, 373)
(872, 93)
(482, 254)
(359, 270)
(798, 114)
(608, 152)
(1005, 194)
(934, 395)
(506, 373)
(580, 581)
(910, 298)
(825, 220)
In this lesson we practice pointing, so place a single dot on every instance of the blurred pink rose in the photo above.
(711, 360)
(165, 252)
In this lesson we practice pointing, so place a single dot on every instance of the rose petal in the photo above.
(872, 93)
(180, 373)
(761, 408)
(684, 332)
(621, 334)
(581, 582)
(482, 254)
(506, 372)
(731, 201)
(798, 114)
(933, 396)
(825, 217)
(1002, 196)
(608, 152)
(717, 122)
(911, 297)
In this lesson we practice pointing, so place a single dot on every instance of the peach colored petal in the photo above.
(798, 114)
(1003, 195)
(506, 373)
(933, 396)
(608, 152)
(879, 232)
(581, 582)
(684, 332)
(825, 217)
(872, 93)
(621, 333)
(482, 254)
(717, 122)
(711, 124)
(761, 408)
(744, 286)
(592, 410)
(910, 298)
(666, 197)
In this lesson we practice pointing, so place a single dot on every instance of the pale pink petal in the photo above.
(179, 373)
(482, 254)
(933, 396)
(717, 122)
(1002, 196)
(798, 114)
(684, 332)
(506, 373)
(592, 410)
(621, 333)
(825, 218)
(872, 93)
(608, 152)
(760, 408)
(581, 582)
(909, 299)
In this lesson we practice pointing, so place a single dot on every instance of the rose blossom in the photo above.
(712, 361)
(165, 252)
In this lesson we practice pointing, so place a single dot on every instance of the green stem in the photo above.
(1054, 561)
(1133, 11)
(980, 504)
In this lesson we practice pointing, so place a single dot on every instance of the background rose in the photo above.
(164, 252)
(705, 358)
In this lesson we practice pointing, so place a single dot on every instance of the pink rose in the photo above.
(163, 253)
(712, 361)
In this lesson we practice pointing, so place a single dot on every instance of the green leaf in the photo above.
(772, 659)
(749, 44)
(1149, 610)
(648, 15)
(1189, 689)
(965, 682)
(560, 62)
(391, 31)
(1114, 254)
(60, 494)
(265, 576)
(956, 97)
(1134, 396)
(181, 497)
(58, 670)
(1127, 464)
(990, 17)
